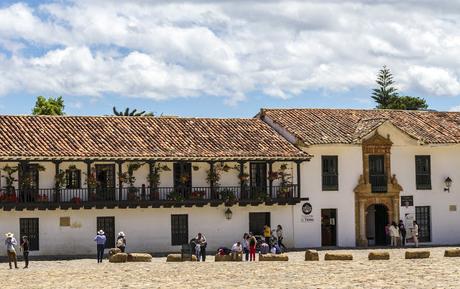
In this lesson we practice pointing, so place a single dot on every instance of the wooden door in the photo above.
(257, 221)
(328, 227)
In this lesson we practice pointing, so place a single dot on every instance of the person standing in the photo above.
(245, 245)
(10, 242)
(394, 234)
(201, 240)
(387, 234)
(100, 243)
(415, 234)
(121, 242)
(267, 234)
(279, 236)
(402, 233)
(25, 251)
(252, 248)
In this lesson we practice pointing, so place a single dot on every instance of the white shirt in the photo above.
(394, 231)
(236, 248)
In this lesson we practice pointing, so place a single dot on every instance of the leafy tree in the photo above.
(132, 113)
(386, 93)
(408, 103)
(50, 106)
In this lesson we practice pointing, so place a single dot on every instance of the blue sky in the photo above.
(224, 59)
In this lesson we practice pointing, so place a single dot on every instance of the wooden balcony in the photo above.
(144, 197)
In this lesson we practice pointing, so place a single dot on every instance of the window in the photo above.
(179, 230)
(377, 174)
(258, 175)
(423, 218)
(330, 174)
(29, 227)
(423, 172)
(107, 224)
(257, 221)
(73, 179)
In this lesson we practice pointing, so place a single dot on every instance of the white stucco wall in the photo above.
(148, 230)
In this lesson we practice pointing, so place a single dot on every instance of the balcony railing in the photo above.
(379, 183)
(133, 195)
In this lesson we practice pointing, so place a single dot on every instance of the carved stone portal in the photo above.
(364, 197)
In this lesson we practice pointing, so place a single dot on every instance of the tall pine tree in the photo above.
(386, 93)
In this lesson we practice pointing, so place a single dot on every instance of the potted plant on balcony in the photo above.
(244, 179)
(76, 200)
(285, 182)
(154, 180)
(129, 178)
(228, 196)
(42, 198)
(176, 196)
(9, 181)
(91, 183)
(197, 195)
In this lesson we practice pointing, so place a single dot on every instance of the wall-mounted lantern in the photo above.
(228, 214)
(448, 183)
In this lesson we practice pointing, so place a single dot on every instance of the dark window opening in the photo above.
(330, 174)
(73, 179)
(29, 227)
(423, 218)
(423, 172)
(377, 174)
(179, 230)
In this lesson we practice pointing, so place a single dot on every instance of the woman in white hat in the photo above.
(10, 242)
(100, 242)
(121, 242)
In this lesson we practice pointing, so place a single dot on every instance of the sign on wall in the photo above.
(407, 201)
(307, 208)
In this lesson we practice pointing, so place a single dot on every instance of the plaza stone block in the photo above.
(311, 255)
(379, 256)
(139, 257)
(228, 258)
(452, 252)
(417, 254)
(338, 257)
(118, 258)
(273, 257)
(178, 258)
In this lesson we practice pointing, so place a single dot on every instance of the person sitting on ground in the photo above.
(237, 249)
(276, 249)
(264, 248)
(121, 242)
(224, 251)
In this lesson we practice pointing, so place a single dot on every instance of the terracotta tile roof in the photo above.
(141, 137)
(345, 126)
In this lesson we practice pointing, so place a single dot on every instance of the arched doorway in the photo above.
(376, 220)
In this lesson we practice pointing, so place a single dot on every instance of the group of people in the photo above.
(396, 234)
(101, 239)
(272, 242)
(199, 244)
(11, 243)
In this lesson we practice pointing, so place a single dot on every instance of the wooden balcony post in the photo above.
(298, 178)
(24, 195)
(88, 174)
(120, 183)
(211, 181)
(242, 188)
(154, 194)
(57, 197)
(270, 180)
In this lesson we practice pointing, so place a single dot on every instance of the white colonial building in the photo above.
(329, 177)
(159, 180)
(371, 167)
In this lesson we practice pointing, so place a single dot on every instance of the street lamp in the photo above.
(228, 214)
(448, 183)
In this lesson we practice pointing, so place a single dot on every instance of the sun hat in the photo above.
(121, 234)
(100, 232)
(9, 235)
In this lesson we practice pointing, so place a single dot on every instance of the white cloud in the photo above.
(455, 108)
(166, 49)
